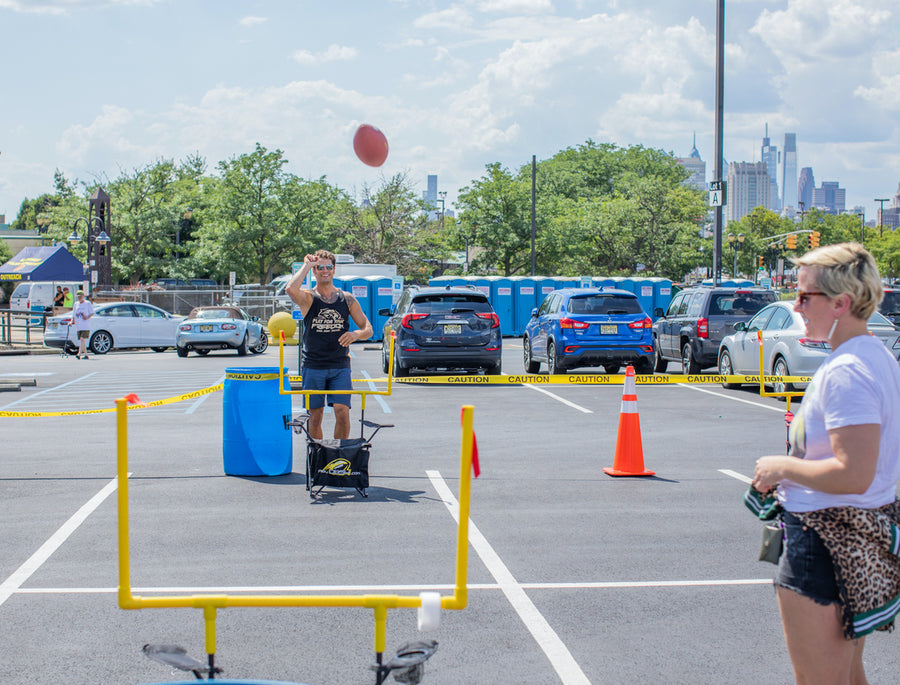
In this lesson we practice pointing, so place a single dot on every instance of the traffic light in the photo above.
(814, 239)
(761, 261)
(792, 241)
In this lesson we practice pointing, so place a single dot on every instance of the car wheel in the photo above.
(202, 353)
(385, 363)
(181, 351)
(263, 344)
(399, 371)
(242, 348)
(101, 342)
(781, 369)
(726, 368)
(689, 365)
(553, 364)
(611, 368)
(530, 365)
(660, 364)
(494, 369)
(644, 367)
(159, 349)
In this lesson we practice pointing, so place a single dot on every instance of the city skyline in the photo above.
(454, 85)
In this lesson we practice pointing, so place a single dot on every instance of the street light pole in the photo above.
(881, 201)
(862, 227)
(443, 194)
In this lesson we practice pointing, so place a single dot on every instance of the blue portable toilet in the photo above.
(543, 286)
(443, 281)
(629, 283)
(662, 294)
(618, 283)
(643, 288)
(602, 282)
(360, 288)
(502, 302)
(525, 298)
(482, 283)
(381, 291)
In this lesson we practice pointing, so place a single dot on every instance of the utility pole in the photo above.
(881, 201)
(720, 97)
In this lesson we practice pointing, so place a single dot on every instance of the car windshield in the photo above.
(212, 314)
(739, 303)
(879, 320)
(604, 304)
(450, 303)
(891, 303)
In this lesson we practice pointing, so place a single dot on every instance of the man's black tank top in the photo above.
(323, 324)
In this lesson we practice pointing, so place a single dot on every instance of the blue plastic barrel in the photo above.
(255, 441)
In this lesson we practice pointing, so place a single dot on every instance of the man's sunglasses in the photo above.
(803, 298)
(324, 267)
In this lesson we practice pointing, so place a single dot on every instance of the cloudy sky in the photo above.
(94, 87)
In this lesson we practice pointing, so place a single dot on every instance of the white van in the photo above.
(39, 294)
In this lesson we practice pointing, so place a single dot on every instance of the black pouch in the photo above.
(341, 463)
(772, 542)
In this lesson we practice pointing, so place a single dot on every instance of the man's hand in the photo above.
(348, 338)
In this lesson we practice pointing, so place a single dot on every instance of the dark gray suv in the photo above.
(890, 305)
(446, 328)
(697, 319)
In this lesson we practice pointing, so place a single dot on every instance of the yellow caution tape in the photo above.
(250, 376)
(588, 379)
(156, 403)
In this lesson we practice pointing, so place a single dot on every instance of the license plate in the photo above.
(452, 329)
(206, 328)
(608, 329)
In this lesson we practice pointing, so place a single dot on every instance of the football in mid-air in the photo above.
(370, 145)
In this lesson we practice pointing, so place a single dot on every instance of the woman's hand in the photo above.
(768, 473)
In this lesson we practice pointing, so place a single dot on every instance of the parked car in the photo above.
(786, 349)
(222, 327)
(588, 327)
(690, 329)
(117, 325)
(442, 328)
(890, 305)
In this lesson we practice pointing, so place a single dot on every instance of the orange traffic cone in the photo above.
(629, 459)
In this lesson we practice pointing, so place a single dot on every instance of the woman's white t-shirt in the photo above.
(859, 383)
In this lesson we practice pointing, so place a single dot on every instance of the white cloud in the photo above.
(252, 21)
(334, 53)
(526, 6)
(886, 93)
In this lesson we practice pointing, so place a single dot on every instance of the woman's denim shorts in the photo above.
(805, 566)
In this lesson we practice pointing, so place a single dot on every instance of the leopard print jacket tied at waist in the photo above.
(864, 545)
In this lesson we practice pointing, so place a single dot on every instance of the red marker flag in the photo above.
(134, 399)
(476, 467)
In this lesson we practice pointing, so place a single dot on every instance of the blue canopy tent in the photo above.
(43, 264)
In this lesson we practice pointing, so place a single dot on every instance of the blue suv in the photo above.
(589, 327)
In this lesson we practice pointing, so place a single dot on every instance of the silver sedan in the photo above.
(786, 349)
(117, 325)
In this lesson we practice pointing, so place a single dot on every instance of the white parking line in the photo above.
(737, 476)
(378, 398)
(41, 392)
(34, 562)
(561, 659)
(556, 397)
(730, 397)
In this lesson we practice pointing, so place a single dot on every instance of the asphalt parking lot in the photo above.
(575, 576)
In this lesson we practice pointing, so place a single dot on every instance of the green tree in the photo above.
(496, 214)
(261, 218)
(390, 226)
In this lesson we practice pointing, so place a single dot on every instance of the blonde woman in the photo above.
(839, 483)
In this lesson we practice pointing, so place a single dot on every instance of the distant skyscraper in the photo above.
(805, 187)
(747, 188)
(430, 196)
(696, 167)
(769, 154)
(789, 172)
(890, 217)
(830, 198)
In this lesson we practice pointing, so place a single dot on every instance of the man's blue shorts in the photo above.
(326, 379)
